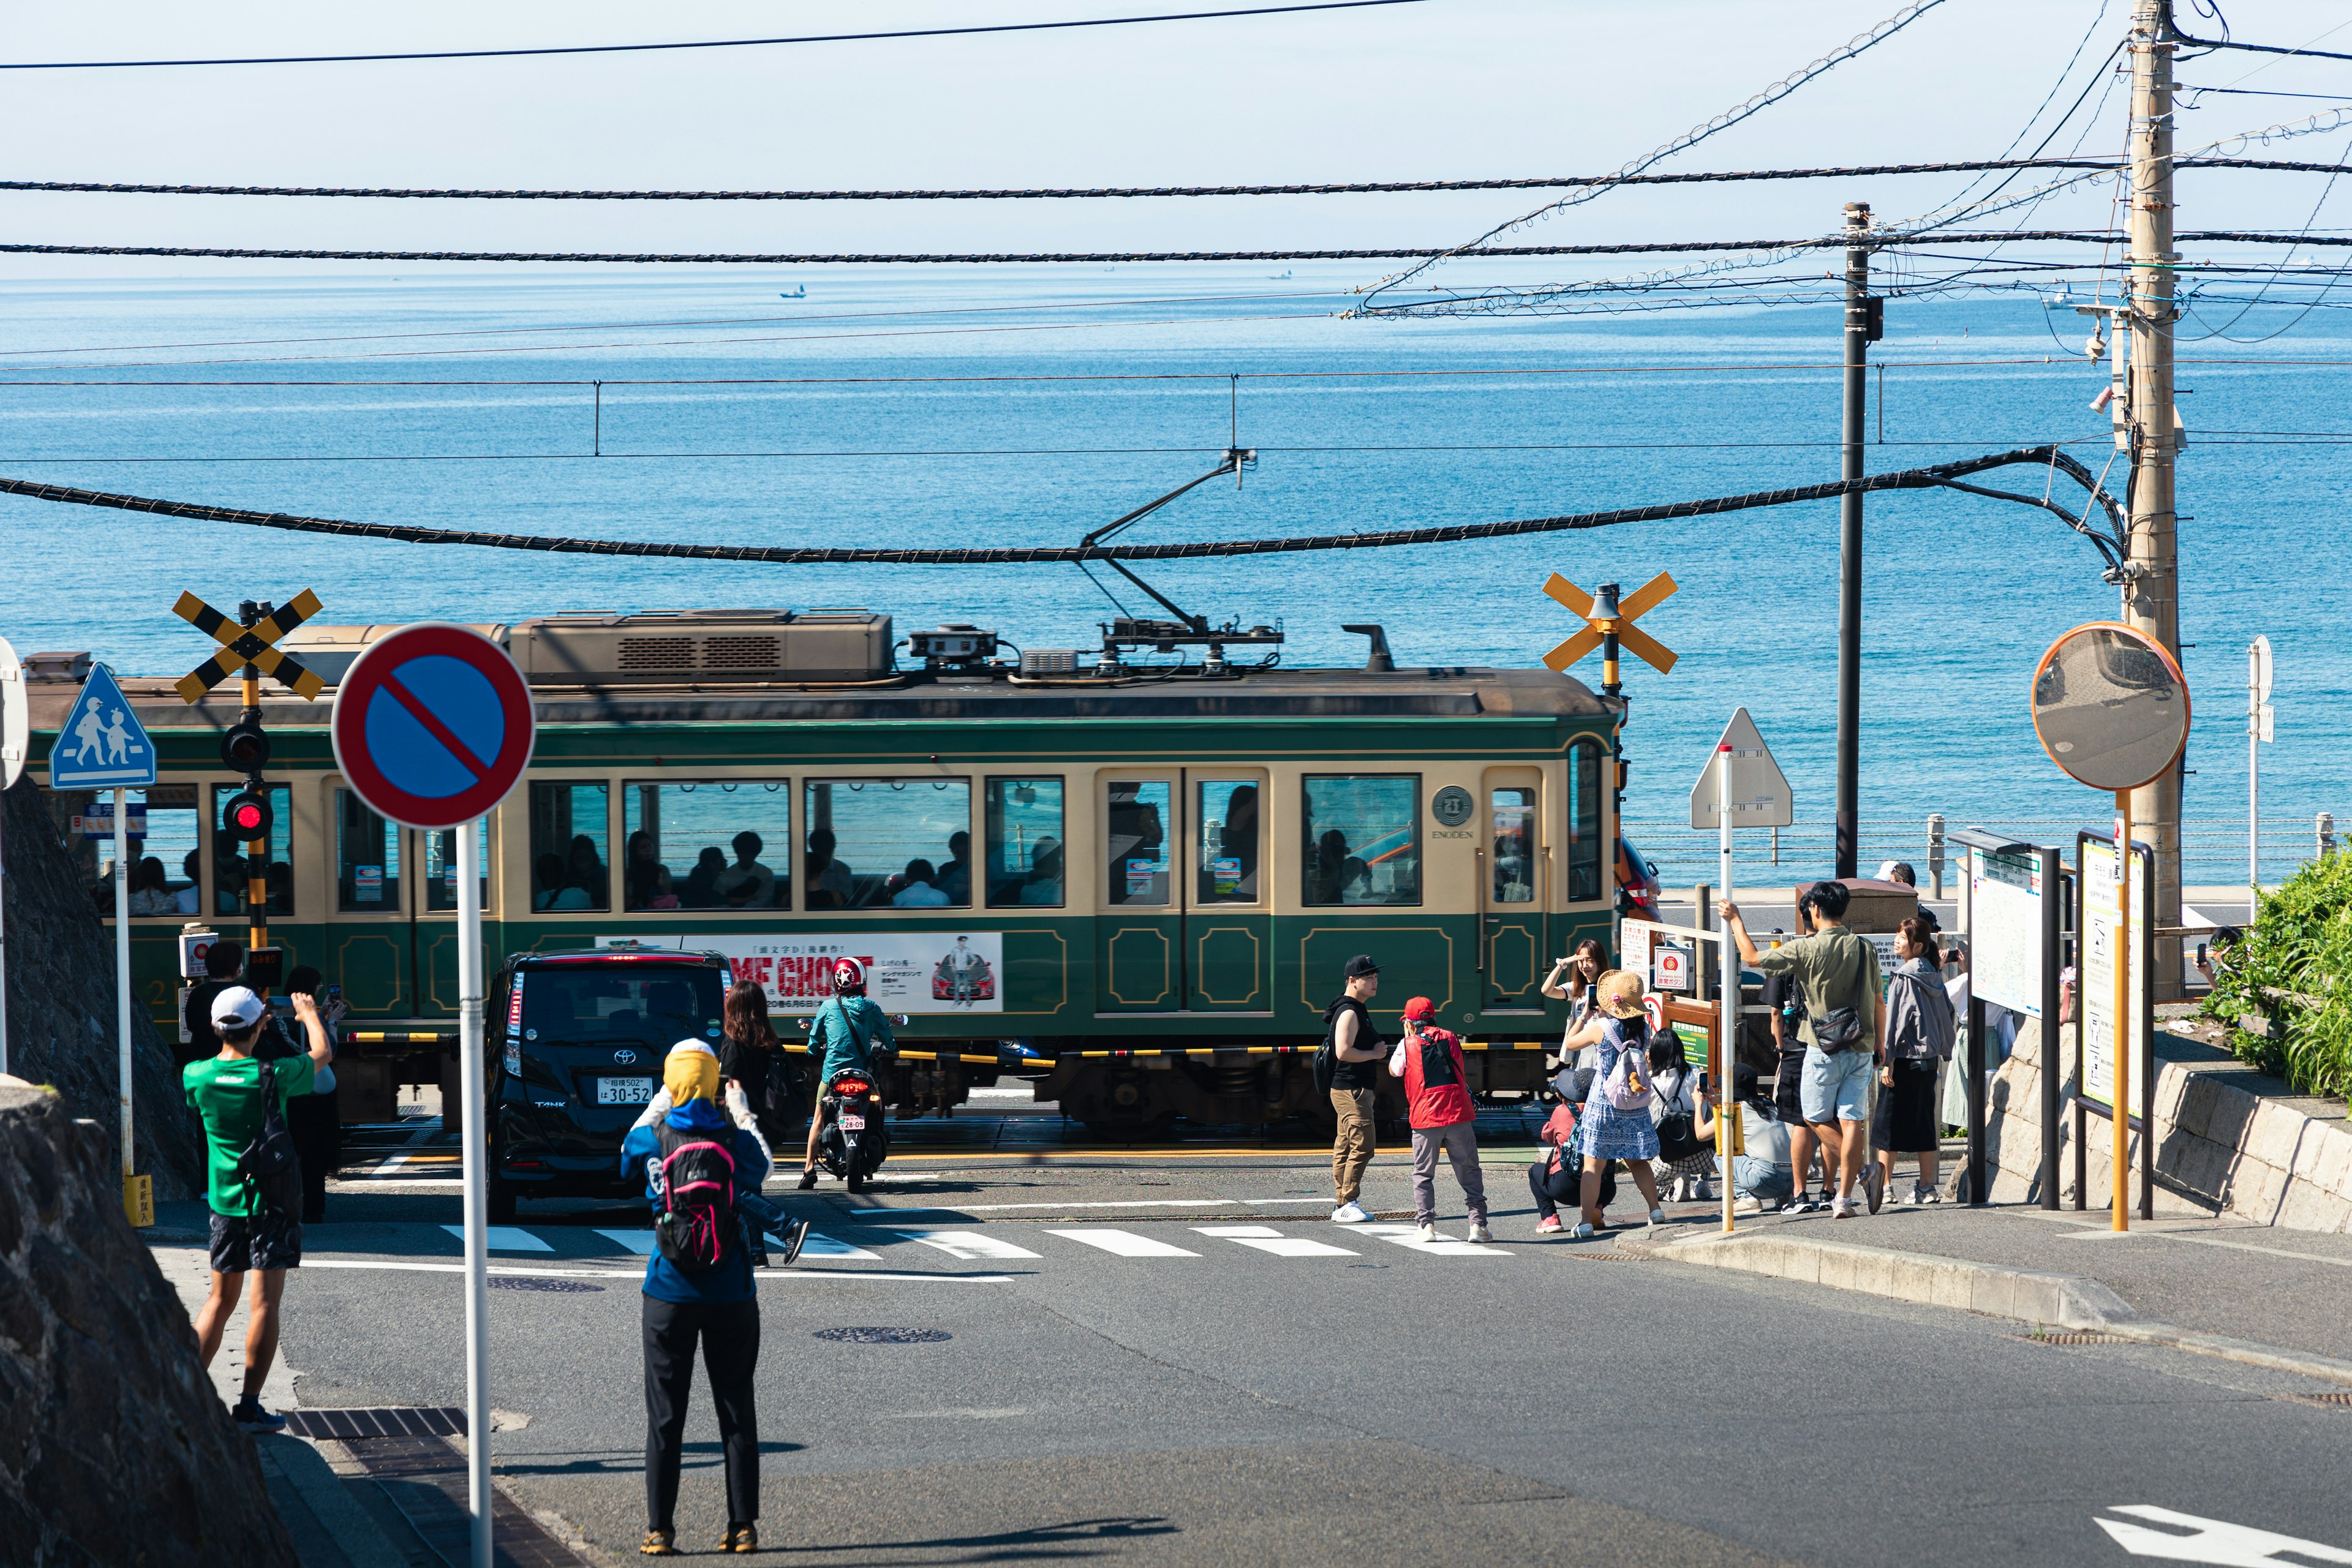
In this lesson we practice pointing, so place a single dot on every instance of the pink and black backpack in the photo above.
(696, 1228)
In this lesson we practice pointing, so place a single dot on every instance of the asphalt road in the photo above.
(1224, 1399)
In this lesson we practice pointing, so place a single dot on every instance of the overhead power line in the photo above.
(873, 258)
(1940, 475)
(700, 43)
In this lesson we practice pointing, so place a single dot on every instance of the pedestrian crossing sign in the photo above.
(102, 744)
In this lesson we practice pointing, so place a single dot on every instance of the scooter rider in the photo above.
(843, 1035)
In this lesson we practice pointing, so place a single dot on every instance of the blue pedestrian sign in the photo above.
(102, 744)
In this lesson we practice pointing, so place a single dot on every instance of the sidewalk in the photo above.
(2217, 1278)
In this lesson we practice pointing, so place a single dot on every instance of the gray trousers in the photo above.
(1460, 1143)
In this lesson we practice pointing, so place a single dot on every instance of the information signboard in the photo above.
(2005, 924)
(2097, 914)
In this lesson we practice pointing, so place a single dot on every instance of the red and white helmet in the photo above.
(848, 977)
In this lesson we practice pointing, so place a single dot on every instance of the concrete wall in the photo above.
(2243, 1148)
(113, 1446)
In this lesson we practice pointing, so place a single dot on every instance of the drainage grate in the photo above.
(2332, 1400)
(2074, 1339)
(383, 1421)
(567, 1287)
(1590, 1256)
(885, 1336)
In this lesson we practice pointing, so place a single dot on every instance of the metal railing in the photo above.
(2212, 848)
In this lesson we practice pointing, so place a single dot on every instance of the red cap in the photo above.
(1421, 1007)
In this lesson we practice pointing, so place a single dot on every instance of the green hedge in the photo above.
(2301, 941)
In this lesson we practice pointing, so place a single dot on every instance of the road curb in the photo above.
(2027, 1296)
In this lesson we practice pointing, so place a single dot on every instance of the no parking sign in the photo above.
(432, 727)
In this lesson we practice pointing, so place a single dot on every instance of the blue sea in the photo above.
(965, 405)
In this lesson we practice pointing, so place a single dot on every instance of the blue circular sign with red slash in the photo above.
(433, 726)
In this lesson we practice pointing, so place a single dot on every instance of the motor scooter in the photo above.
(855, 1139)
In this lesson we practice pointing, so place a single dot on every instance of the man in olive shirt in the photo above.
(247, 1236)
(1837, 973)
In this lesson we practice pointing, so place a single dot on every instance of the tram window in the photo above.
(1515, 845)
(712, 844)
(232, 869)
(164, 854)
(1227, 813)
(1024, 843)
(1135, 842)
(441, 868)
(570, 848)
(1584, 763)
(1363, 839)
(887, 842)
(367, 859)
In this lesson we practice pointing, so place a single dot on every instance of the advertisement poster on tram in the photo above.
(906, 971)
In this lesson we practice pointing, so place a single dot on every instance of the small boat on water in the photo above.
(799, 293)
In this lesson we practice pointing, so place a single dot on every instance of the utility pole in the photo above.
(2151, 588)
(1862, 329)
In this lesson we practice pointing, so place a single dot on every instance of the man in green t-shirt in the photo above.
(248, 1236)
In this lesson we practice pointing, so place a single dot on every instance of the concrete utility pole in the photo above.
(2151, 590)
(1861, 322)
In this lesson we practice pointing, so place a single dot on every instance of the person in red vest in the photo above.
(1437, 1091)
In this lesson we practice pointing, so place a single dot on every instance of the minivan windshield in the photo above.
(654, 1004)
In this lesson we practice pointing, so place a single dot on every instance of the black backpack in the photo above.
(269, 1165)
(1327, 1054)
(1678, 1129)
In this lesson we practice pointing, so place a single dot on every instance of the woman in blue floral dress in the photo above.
(1603, 1133)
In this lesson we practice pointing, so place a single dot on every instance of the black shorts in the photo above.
(265, 1240)
(1786, 1087)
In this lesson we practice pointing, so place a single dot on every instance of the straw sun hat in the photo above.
(1619, 994)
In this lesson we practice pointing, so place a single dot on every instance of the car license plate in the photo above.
(624, 1090)
(852, 1123)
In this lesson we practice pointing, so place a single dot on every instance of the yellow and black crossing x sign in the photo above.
(1607, 617)
(242, 645)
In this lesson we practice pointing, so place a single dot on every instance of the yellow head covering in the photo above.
(691, 1072)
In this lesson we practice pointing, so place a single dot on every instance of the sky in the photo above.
(1442, 88)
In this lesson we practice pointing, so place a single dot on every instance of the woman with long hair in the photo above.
(1572, 980)
(1919, 1033)
(750, 1054)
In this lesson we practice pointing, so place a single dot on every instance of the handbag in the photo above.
(1839, 1029)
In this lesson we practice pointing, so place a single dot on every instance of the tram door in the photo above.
(1513, 891)
(1184, 917)
(1139, 934)
(391, 924)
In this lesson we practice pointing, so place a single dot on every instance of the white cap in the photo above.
(237, 1009)
(1885, 871)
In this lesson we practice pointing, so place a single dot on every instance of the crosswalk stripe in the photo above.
(968, 1245)
(504, 1239)
(1443, 1246)
(640, 1242)
(819, 1244)
(1124, 1243)
(1266, 1238)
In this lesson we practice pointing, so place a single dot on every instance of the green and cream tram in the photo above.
(1138, 872)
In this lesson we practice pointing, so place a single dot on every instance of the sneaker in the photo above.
(658, 1543)
(1426, 1230)
(1839, 1208)
(791, 1234)
(1479, 1233)
(1803, 1203)
(1873, 1185)
(1657, 1216)
(1703, 1191)
(1548, 1225)
(1583, 1231)
(251, 1417)
(741, 1538)
(1674, 1193)
(1915, 1197)
(1747, 1205)
(1930, 1195)
(1350, 1212)
(808, 1177)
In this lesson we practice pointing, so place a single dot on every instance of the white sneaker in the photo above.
(1350, 1212)
(1657, 1216)
(1479, 1233)
(1749, 1206)
(1841, 1209)
(1583, 1231)
(1427, 1230)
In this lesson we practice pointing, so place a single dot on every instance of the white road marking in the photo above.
(819, 1244)
(1293, 1203)
(395, 1266)
(416, 1139)
(1266, 1238)
(2212, 1540)
(640, 1242)
(984, 1413)
(1443, 1246)
(504, 1237)
(1121, 1204)
(969, 1245)
(1124, 1243)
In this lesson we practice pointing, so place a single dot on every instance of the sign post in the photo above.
(2259, 729)
(432, 727)
(2111, 708)
(101, 745)
(1749, 789)
(2012, 923)
(16, 731)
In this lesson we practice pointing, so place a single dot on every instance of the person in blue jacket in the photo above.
(845, 1035)
(718, 1306)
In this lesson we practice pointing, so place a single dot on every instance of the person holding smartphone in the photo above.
(1572, 980)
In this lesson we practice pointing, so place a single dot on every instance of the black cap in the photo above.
(1361, 965)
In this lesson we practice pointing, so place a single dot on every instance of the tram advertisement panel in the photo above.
(917, 972)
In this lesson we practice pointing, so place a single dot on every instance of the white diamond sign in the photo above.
(1759, 790)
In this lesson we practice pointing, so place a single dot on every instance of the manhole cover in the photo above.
(566, 1287)
(885, 1336)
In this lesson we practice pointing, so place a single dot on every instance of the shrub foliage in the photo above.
(2290, 968)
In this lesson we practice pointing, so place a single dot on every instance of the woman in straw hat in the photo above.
(1603, 1133)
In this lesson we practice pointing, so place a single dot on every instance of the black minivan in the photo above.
(584, 1037)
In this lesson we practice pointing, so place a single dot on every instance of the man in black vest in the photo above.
(1357, 1050)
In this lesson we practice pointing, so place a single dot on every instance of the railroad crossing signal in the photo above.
(1607, 617)
(242, 645)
